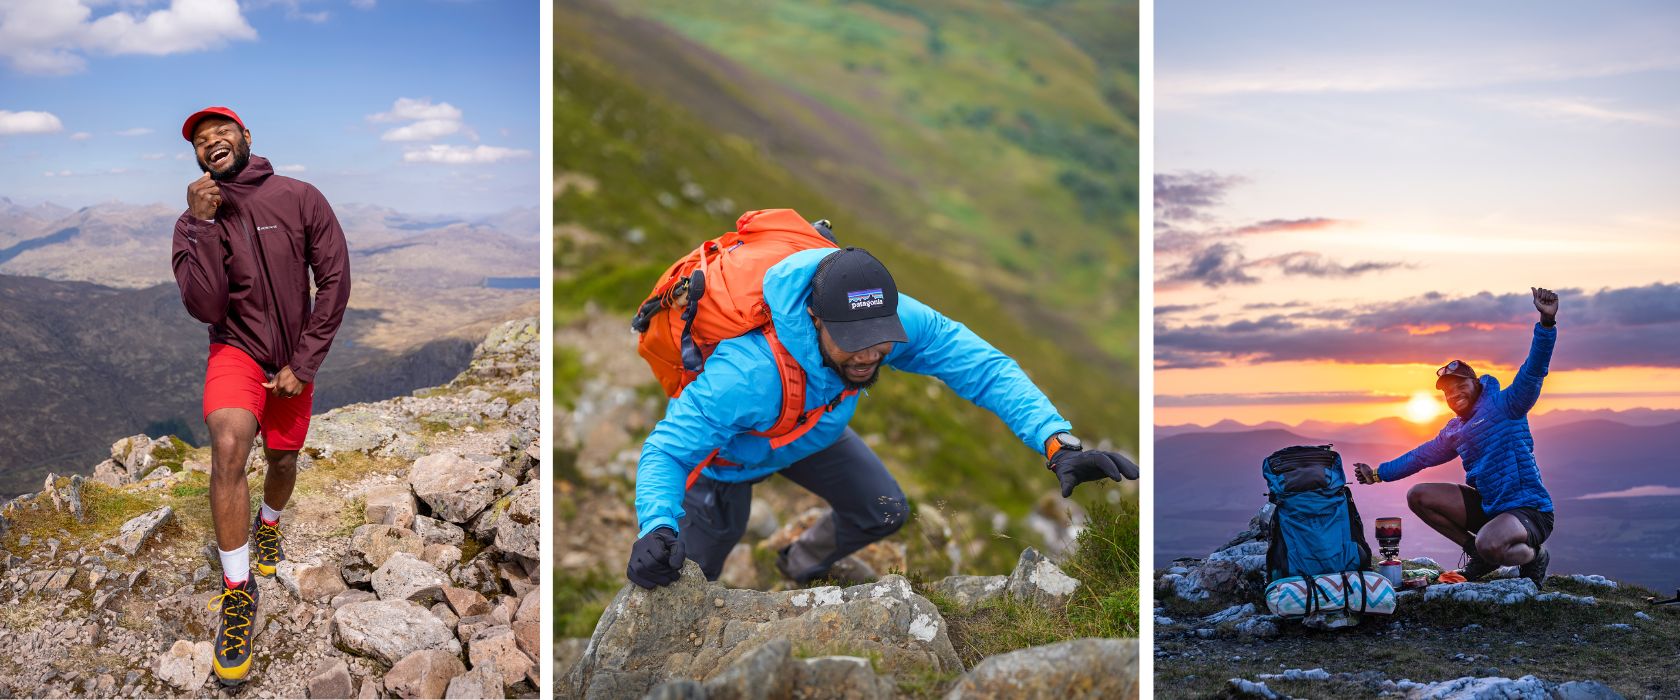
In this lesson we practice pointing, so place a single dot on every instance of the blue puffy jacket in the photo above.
(740, 392)
(1497, 448)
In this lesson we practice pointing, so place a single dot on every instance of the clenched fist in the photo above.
(204, 196)
(1546, 302)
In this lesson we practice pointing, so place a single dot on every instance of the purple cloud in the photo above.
(1626, 327)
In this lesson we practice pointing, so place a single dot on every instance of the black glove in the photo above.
(656, 559)
(1075, 467)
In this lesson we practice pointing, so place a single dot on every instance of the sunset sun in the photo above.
(1422, 407)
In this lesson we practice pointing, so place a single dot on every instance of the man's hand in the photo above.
(1075, 467)
(656, 559)
(285, 384)
(204, 196)
(1546, 302)
(1365, 474)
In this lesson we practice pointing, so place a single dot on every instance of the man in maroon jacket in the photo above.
(243, 255)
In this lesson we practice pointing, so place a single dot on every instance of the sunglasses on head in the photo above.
(1449, 368)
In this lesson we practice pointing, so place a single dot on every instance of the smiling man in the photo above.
(835, 318)
(244, 253)
(1502, 514)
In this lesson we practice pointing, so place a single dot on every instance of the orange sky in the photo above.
(1400, 382)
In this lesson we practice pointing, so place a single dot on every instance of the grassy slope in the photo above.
(1553, 641)
(980, 130)
(635, 166)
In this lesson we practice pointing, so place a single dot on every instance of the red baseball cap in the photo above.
(192, 121)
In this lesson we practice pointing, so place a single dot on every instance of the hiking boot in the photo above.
(1535, 569)
(232, 646)
(266, 549)
(1475, 568)
(848, 571)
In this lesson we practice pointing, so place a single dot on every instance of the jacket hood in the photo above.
(787, 290)
(257, 171)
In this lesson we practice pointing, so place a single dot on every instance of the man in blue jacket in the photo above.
(1502, 514)
(839, 314)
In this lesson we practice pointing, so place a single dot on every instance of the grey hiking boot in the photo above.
(1475, 568)
(1535, 569)
(848, 571)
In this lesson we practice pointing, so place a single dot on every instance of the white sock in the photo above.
(236, 565)
(270, 515)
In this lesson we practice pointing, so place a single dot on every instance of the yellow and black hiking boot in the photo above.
(266, 549)
(232, 645)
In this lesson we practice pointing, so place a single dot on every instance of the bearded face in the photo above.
(222, 148)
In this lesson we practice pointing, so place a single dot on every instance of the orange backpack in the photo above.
(715, 293)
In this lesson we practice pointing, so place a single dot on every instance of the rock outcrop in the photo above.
(1077, 668)
(113, 573)
(697, 629)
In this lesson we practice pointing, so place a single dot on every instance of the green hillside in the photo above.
(999, 136)
(640, 180)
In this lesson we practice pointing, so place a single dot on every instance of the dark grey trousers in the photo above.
(868, 506)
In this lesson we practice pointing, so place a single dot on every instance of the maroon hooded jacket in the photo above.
(247, 273)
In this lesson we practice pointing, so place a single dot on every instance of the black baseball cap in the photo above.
(1456, 368)
(856, 299)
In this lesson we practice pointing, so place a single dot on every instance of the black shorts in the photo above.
(1538, 523)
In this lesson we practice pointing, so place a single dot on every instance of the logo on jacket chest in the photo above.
(271, 227)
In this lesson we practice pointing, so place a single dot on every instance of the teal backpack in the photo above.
(1315, 527)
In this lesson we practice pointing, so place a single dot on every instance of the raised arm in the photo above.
(1524, 391)
(329, 262)
(200, 265)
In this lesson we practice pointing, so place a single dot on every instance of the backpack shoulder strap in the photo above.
(794, 421)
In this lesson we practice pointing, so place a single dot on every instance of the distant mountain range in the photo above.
(1208, 484)
(95, 346)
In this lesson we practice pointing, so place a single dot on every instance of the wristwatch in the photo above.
(1061, 441)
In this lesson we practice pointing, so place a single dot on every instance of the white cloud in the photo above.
(424, 130)
(54, 36)
(81, 136)
(153, 156)
(290, 168)
(410, 109)
(363, 4)
(136, 131)
(1576, 109)
(12, 123)
(458, 155)
(428, 122)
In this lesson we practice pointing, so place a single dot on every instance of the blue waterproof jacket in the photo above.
(740, 392)
(1497, 448)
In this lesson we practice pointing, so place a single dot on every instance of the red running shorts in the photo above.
(233, 380)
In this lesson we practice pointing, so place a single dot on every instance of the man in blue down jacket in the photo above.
(840, 316)
(1502, 514)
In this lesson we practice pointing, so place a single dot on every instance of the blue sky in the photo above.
(423, 106)
(1339, 185)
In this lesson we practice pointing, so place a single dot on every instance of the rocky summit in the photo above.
(393, 586)
(1576, 636)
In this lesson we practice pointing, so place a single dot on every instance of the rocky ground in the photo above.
(1581, 636)
(411, 541)
(699, 639)
(920, 630)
